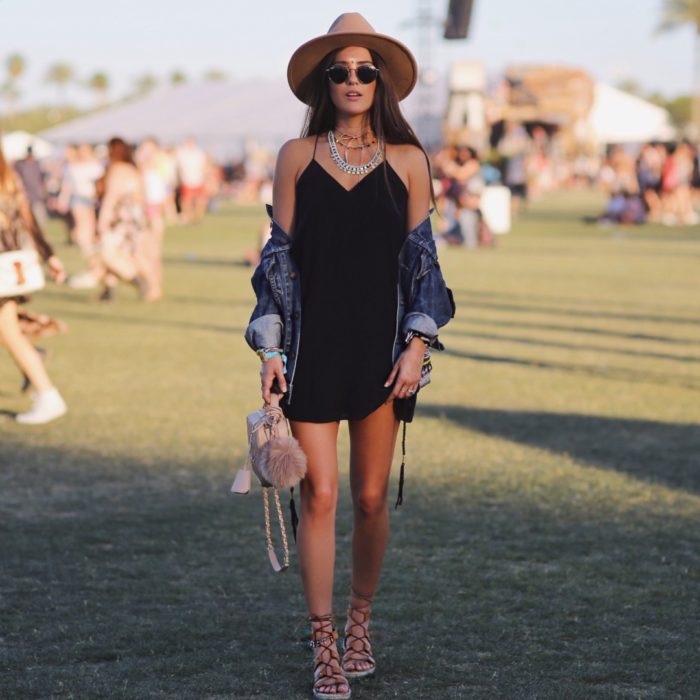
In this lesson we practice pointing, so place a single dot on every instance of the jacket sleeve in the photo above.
(430, 304)
(265, 329)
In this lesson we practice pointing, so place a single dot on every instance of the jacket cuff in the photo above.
(265, 332)
(423, 324)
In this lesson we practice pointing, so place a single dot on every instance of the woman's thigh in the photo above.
(372, 442)
(319, 442)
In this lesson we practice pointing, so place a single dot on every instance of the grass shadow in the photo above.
(665, 453)
(621, 374)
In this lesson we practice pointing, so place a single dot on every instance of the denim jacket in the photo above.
(425, 303)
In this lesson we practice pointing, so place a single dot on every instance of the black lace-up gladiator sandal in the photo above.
(357, 645)
(327, 670)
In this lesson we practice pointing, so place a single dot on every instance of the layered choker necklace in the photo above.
(347, 141)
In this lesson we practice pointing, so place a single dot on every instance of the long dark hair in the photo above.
(385, 117)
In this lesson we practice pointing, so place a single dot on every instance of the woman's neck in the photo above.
(354, 124)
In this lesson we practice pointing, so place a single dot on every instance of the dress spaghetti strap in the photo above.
(313, 155)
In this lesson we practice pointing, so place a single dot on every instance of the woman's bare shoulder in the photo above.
(407, 154)
(295, 153)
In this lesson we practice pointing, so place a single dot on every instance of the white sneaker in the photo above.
(82, 280)
(46, 406)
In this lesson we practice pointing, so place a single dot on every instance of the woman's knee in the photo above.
(370, 502)
(320, 500)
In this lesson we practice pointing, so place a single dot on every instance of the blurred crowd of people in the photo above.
(660, 185)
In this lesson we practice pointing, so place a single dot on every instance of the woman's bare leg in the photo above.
(22, 351)
(319, 494)
(316, 531)
(372, 442)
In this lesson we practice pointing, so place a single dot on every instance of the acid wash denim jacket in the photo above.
(425, 303)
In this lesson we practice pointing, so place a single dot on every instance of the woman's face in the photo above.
(352, 96)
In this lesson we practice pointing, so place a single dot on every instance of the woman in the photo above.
(18, 230)
(150, 161)
(121, 223)
(78, 198)
(358, 274)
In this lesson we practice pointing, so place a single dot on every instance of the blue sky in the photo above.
(612, 39)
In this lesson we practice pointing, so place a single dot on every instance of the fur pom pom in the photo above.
(284, 462)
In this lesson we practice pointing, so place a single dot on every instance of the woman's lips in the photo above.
(353, 95)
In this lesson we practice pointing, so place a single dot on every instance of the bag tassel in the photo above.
(293, 511)
(399, 498)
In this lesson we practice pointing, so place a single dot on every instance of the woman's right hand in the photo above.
(272, 369)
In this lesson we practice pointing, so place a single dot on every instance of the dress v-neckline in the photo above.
(340, 184)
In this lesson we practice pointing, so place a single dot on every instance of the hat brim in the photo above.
(398, 59)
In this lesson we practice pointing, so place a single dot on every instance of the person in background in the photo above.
(32, 178)
(79, 197)
(19, 229)
(121, 223)
(515, 147)
(192, 171)
(151, 162)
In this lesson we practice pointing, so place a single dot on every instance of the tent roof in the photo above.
(619, 117)
(221, 115)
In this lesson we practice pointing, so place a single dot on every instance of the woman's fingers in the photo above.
(392, 374)
(279, 373)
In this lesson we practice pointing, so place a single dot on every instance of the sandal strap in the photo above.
(321, 641)
(327, 668)
(358, 617)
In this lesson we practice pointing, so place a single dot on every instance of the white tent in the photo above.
(222, 116)
(618, 117)
(15, 144)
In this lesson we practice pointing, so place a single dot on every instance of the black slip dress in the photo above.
(346, 245)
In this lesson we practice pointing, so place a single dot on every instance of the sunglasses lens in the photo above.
(338, 74)
(367, 74)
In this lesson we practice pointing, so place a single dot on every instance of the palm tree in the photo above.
(99, 82)
(60, 74)
(145, 83)
(16, 66)
(674, 14)
(177, 77)
(215, 75)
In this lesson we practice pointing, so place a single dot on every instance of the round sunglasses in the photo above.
(366, 73)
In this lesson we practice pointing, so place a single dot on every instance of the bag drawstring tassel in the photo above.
(399, 498)
(293, 510)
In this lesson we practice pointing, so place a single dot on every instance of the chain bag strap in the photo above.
(278, 462)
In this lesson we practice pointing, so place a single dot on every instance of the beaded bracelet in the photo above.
(267, 353)
(415, 334)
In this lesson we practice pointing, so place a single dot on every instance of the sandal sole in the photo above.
(332, 696)
(359, 674)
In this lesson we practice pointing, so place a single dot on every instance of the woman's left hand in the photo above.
(406, 372)
(56, 269)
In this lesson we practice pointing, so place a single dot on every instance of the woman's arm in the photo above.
(284, 183)
(283, 203)
(42, 245)
(406, 373)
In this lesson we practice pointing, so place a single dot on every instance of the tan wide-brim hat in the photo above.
(352, 29)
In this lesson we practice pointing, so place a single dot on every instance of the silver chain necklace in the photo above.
(347, 167)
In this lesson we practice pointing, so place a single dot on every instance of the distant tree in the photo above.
(145, 84)
(630, 85)
(16, 66)
(215, 75)
(681, 110)
(60, 75)
(99, 82)
(676, 13)
(177, 77)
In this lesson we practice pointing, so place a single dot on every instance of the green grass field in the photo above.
(549, 541)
